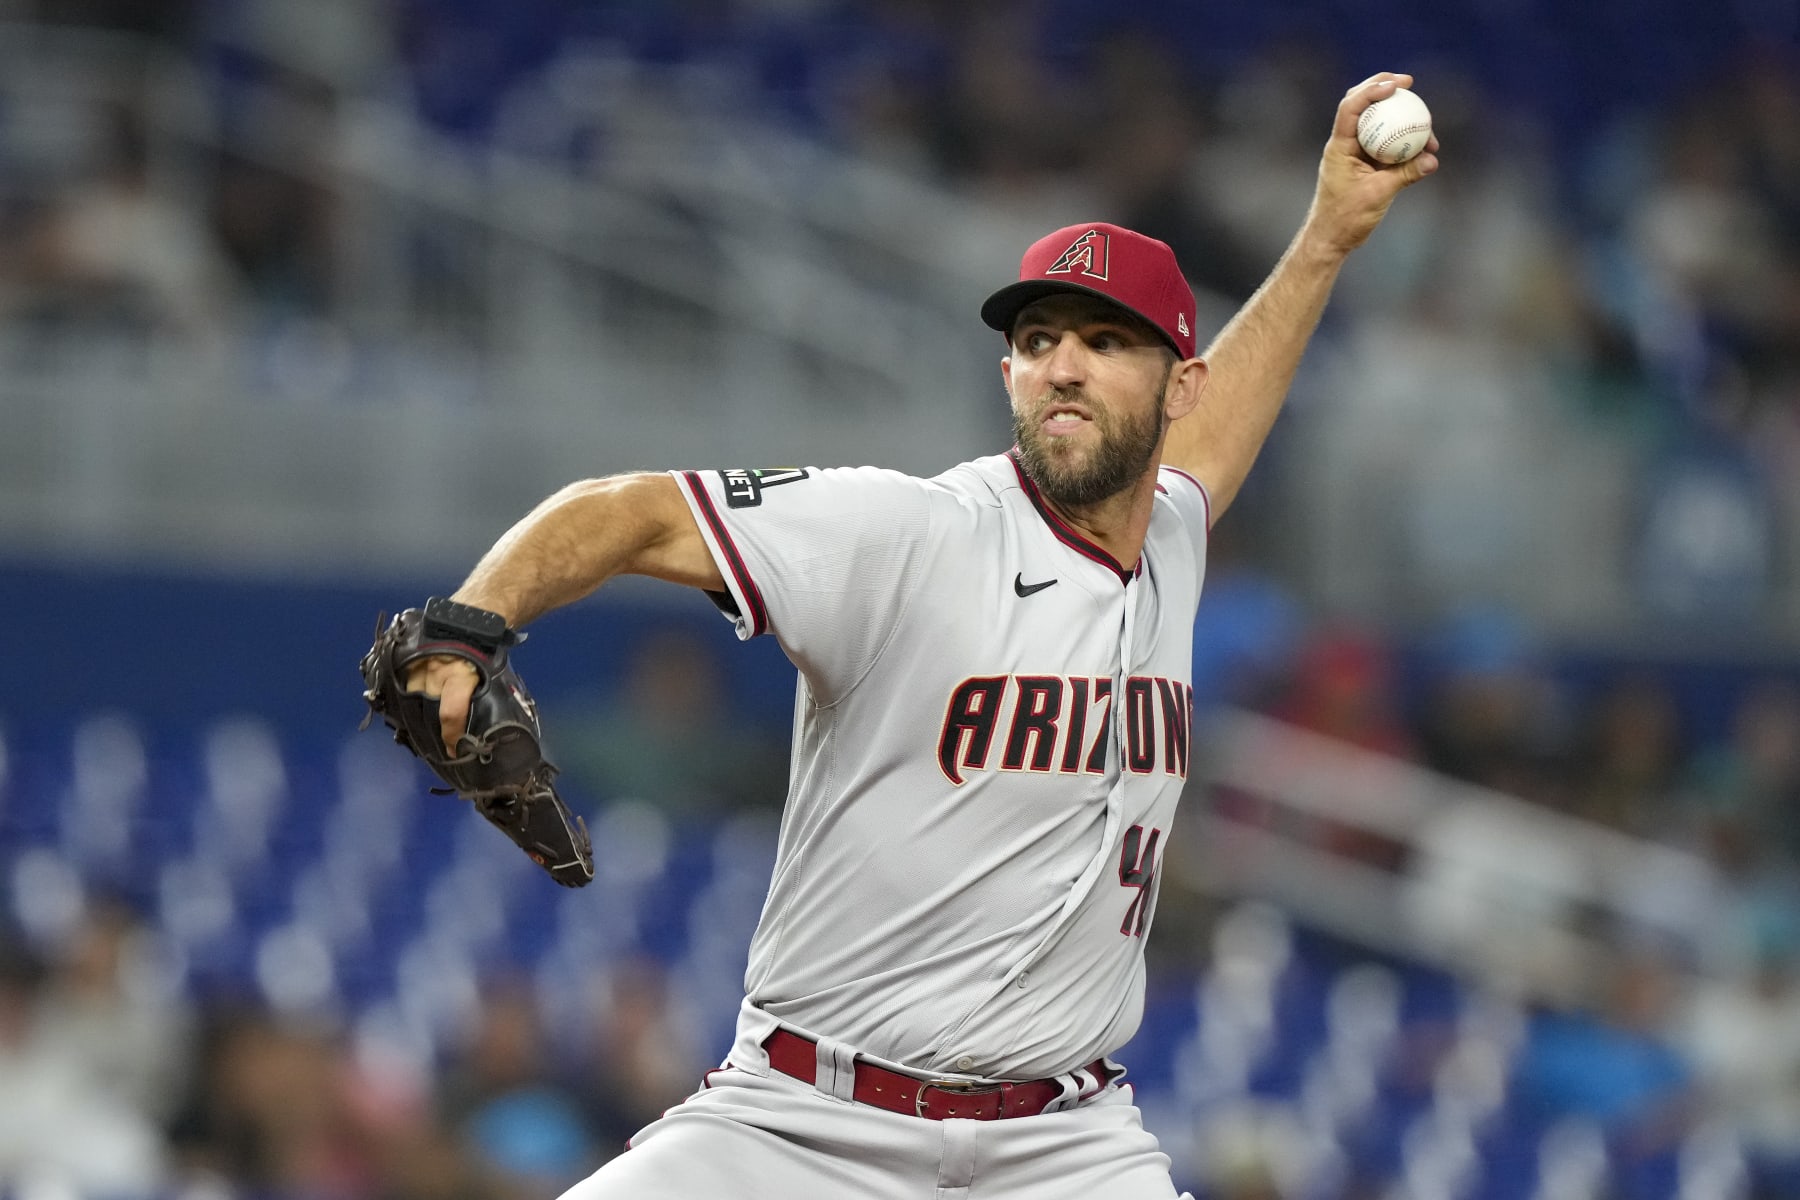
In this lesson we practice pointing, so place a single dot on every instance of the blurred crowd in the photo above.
(1683, 1013)
(1612, 252)
(1643, 234)
(114, 1086)
(1630, 746)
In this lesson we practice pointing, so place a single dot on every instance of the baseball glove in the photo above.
(498, 764)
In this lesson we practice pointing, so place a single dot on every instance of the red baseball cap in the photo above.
(1137, 273)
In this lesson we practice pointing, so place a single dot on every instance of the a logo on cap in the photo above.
(1089, 253)
(1181, 323)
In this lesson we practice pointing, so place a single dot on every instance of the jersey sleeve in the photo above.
(826, 560)
(1188, 498)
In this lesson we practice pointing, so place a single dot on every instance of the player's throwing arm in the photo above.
(1252, 361)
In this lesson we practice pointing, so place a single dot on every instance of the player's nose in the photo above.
(1067, 362)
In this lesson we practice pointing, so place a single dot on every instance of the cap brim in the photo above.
(1001, 309)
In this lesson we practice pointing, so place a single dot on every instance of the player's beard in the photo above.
(1127, 445)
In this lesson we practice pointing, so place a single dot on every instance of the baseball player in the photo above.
(991, 728)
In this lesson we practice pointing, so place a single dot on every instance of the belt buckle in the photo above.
(965, 1086)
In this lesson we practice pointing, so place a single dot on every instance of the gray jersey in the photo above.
(991, 733)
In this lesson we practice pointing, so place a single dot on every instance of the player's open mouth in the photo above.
(1063, 420)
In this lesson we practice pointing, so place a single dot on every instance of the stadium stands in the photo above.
(349, 896)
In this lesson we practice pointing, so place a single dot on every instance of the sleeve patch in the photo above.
(744, 489)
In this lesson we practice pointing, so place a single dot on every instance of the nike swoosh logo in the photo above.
(1027, 589)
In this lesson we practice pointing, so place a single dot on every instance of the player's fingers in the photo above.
(1419, 166)
(428, 674)
(1424, 163)
(453, 704)
(418, 677)
(1376, 87)
(1378, 77)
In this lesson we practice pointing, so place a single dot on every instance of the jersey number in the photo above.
(1137, 869)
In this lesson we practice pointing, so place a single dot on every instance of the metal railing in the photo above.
(720, 294)
(1532, 903)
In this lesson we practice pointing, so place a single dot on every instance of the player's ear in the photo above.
(1006, 372)
(1187, 380)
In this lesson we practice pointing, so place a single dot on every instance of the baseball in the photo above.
(1395, 129)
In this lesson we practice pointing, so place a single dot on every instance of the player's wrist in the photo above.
(483, 628)
(1320, 246)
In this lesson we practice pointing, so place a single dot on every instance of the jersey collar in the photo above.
(1066, 533)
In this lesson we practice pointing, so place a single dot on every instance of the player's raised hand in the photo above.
(1354, 191)
(452, 681)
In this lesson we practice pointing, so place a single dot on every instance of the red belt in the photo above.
(933, 1099)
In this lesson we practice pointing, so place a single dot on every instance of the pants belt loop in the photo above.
(836, 1069)
(1072, 1087)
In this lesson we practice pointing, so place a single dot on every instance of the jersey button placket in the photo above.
(1126, 629)
(1127, 625)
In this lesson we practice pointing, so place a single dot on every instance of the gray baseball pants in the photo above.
(753, 1136)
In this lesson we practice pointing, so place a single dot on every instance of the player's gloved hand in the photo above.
(441, 680)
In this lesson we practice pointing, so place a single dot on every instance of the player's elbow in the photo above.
(635, 500)
(645, 515)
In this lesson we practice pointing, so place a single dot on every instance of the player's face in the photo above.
(1087, 385)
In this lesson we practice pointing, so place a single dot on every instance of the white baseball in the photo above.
(1395, 129)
